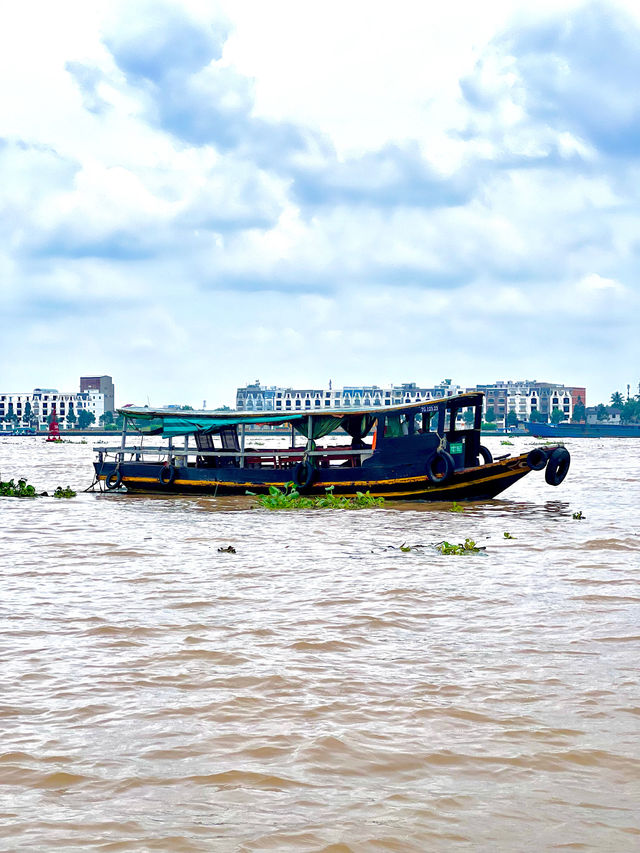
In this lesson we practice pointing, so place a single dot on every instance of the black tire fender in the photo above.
(303, 474)
(167, 475)
(537, 458)
(557, 466)
(113, 480)
(486, 454)
(439, 459)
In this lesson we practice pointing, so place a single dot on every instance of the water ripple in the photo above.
(320, 689)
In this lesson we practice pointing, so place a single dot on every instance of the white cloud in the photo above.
(253, 185)
(595, 284)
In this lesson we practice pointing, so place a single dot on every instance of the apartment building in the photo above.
(523, 397)
(33, 409)
(261, 398)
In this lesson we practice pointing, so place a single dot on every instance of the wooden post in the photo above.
(477, 420)
(123, 440)
(184, 460)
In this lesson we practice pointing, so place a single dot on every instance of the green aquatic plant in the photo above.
(508, 535)
(64, 493)
(506, 442)
(456, 507)
(21, 489)
(578, 515)
(290, 498)
(462, 548)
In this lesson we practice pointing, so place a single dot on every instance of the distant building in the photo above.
(521, 397)
(103, 384)
(610, 415)
(24, 409)
(526, 397)
(261, 398)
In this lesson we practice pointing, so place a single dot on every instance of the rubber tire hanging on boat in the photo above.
(537, 458)
(116, 483)
(440, 457)
(304, 474)
(557, 466)
(486, 454)
(167, 475)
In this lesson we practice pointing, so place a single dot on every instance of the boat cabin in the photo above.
(371, 437)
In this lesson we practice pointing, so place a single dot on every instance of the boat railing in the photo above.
(138, 453)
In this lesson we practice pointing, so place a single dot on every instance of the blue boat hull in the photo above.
(561, 431)
(403, 482)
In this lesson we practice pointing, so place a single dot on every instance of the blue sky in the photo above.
(197, 195)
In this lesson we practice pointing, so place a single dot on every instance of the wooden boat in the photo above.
(425, 451)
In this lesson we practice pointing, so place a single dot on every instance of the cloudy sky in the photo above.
(195, 195)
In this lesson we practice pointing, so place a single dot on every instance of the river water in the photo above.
(320, 689)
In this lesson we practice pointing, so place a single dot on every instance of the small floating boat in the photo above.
(424, 451)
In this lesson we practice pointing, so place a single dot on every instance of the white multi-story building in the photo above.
(261, 398)
(526, 397)
(24, 409)
(521, 397)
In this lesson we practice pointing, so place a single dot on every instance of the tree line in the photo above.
(629, 408)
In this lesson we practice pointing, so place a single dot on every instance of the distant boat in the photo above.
(569, 430)
(415, 451)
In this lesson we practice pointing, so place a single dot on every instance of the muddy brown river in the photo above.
(320, 689)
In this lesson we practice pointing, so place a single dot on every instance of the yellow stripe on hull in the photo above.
(426, 484)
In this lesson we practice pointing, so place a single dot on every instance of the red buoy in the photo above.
(54, 429)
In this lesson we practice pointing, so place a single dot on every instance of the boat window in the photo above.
(393, 426)
(466, 418)
(429, 422)
(411, 422)
(398, 425)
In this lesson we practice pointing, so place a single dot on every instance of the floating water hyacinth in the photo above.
(462, 548)
(64, 493)
(290, 498)
(20, 489)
